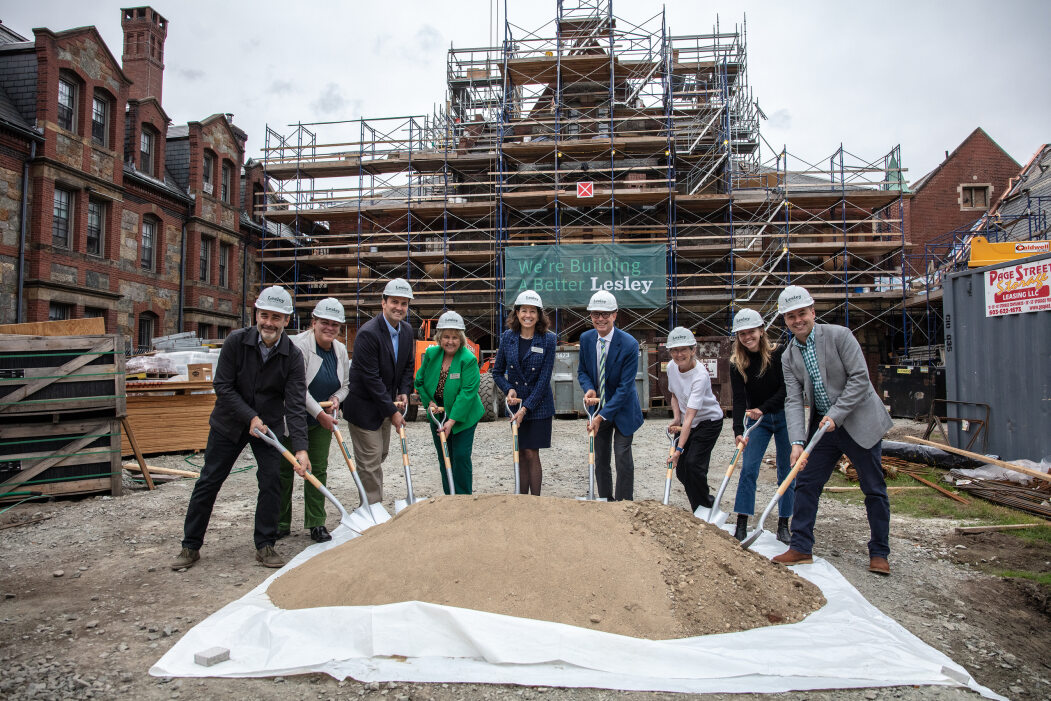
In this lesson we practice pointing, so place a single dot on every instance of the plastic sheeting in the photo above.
(927, 455)
(846, 644)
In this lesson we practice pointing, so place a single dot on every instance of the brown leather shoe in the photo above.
(793, 557)
(879, 565)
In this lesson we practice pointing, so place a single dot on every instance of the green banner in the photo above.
(567, 276)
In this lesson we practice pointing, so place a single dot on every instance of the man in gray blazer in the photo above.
(825, 370)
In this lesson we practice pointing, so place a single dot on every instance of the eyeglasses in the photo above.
(601, 315)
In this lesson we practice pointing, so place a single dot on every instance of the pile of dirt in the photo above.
(634, 568)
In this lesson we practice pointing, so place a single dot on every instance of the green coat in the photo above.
(462, 402)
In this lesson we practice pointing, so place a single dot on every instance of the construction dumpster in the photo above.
(569, 398)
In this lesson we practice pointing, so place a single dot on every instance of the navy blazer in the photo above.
(531, 381)
(622, 364)
(375, 379)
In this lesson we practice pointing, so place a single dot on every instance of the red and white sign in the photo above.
(1015, 289)
(585, 189)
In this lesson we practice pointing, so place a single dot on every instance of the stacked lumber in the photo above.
(61, 400)
(168, 417)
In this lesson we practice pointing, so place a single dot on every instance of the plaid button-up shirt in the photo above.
(809, 352)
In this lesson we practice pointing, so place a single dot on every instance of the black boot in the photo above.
(783, 534)
(742, 527)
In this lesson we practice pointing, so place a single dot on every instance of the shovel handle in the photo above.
(272, 440)
(802, 460)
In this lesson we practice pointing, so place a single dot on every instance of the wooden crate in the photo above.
(41, 375)
(168, 417)
(65, 327)
(78, 456)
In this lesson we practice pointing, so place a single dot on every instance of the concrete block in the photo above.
(211, 656)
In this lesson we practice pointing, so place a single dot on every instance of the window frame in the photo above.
(972, 188)
(146, 157)
(208, 172)
(205, 259)
(151, 319)
(224, 264)
(71, 117)
(101, 228)
(100, 99)
(55, 218)
(149, 263)
(227, 181)
(59, 311)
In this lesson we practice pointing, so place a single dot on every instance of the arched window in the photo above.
(69, 89)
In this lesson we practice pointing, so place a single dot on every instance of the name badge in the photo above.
(454, 376)
(536, 349)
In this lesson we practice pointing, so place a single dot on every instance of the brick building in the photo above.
(958, 191)
(127, 216)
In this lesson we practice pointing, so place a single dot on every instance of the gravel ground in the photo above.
(89, 602)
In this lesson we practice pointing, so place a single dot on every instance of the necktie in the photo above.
(602, 373)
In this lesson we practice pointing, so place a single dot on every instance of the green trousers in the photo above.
(318, 442)
(460, 445)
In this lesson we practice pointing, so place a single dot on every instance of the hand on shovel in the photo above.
(673, 458)
(594, 418)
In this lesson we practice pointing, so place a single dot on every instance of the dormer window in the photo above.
(146, 147)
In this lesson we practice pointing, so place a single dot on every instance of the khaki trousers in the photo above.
(370, 450)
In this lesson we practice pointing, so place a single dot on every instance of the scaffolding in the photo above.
(664, 125)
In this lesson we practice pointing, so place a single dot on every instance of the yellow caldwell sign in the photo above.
(984, 253)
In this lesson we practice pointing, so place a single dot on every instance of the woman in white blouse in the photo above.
(697, 416)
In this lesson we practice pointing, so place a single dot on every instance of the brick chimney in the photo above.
(143, 59)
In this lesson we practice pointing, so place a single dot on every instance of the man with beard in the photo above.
(380, 378)
(259, 383)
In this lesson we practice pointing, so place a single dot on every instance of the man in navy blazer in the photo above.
(609, 353)
(380, 375)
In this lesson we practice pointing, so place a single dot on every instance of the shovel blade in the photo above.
(363, 518)
(713, 515)
(402, 504)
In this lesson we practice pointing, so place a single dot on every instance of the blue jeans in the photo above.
(770, 425)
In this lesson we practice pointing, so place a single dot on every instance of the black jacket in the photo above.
(765, 392)
(245, 387)
(375, 379)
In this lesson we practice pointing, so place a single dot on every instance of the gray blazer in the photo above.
(855, 404)
(312, 363)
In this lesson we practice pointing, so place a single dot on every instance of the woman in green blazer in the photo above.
(448, 377)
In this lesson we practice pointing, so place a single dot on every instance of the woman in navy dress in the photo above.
(523, 370)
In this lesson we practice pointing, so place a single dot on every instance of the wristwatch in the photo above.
(678, 449)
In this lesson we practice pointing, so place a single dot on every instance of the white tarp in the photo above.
(848, 643)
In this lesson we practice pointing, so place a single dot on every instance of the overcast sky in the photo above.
(920, 73)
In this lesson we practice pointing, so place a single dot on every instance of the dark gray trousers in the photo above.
(608, 436)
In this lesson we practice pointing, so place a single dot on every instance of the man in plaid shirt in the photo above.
(824, 369)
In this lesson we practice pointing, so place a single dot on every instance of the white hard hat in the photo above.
(330, 308)
(529, 297)
(747, 319)
(275, 299)
(793, 297)
(681, 338)
(602, 301)
(398, 287)
(450, 320)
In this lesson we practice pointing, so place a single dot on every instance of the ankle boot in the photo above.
(742, 527)
(783, 534)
